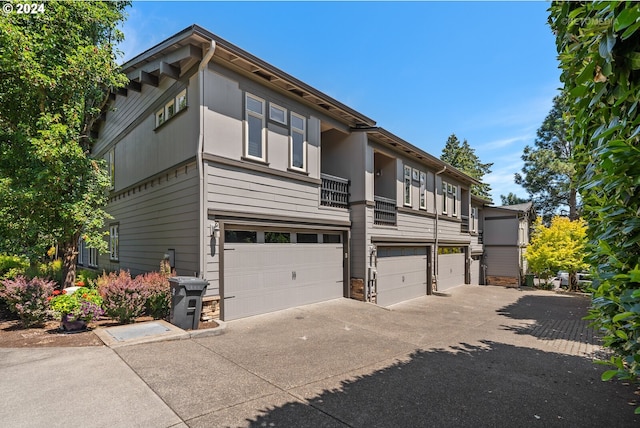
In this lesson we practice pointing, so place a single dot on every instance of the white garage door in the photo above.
(450, 269)
(266, 275)
(402, 274)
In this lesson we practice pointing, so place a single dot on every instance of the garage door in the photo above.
(402, 274)
(450, 268)
(268, 274)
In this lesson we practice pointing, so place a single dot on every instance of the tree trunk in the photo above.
(69, 260)
(573, 281)
(573, 204)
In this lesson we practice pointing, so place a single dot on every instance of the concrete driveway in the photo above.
(485, 356)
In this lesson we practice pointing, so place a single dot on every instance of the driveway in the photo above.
(485, 356)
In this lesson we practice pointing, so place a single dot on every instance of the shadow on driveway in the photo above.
(493, 384)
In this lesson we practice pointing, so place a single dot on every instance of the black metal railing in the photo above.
(480, 237)
(334, 191)
(384, 212)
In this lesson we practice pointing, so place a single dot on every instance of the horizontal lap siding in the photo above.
(408, 226)
(155, 219)
(501, 261)
(238, 190)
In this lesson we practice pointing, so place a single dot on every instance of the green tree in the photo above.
(463, 157)
(512, 199)
(56, 70)
(600, 61)
(548, 174)
(560, 246)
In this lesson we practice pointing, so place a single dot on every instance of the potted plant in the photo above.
(76, 307)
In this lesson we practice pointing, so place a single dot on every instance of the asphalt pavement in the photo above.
(482, 357)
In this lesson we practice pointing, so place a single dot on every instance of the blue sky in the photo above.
(486, 71)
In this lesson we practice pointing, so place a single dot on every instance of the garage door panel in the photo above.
(402, 274)
(261, 278)
(451, 270)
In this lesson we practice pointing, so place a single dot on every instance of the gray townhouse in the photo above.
(275, 193)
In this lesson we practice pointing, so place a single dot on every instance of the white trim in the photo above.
(272, 107)
(258, 115)
(181, 101)
(423, 190)
(114, 242)
(406, 192)
(455, 200)
(444, 197)
(301, 131)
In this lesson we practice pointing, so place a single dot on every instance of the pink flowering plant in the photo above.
(28, 298)
(158, 294)
(84, 304)
(124, 298)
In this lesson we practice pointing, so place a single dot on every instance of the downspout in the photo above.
(199, 158)
(435, 257)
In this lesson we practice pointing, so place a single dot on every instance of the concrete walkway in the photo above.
(485, 356)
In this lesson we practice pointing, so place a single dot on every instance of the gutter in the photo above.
(200, 162)
(435, 264)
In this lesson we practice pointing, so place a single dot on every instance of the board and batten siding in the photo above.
(156, 216)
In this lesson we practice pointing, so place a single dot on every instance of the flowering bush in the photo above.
(27, 298)
(123, 297)
(83, 304)
(159, 296)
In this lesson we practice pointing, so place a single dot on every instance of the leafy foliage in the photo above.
(11, 266)
(83, 304)
(463, 157)
(57, 69)
(561, 246)
(512, 199)
(600, 60)
(124, 298)
(548, 174)
(27, 298)
(159, 294)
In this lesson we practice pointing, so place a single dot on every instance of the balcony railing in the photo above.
(384, 212)
(464, 226)
(334, 191)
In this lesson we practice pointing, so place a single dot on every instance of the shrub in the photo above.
(159, 301)
(28, 299)
(12, 266)
(123, 297)
(51, 270)
(86, 278)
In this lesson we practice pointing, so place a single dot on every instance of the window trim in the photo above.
(111, 165)
(114, 242)
(423, 190)
(444, 197)
(406, 199)
(474, 214)
(162, 116)
(263, 135)
(303, 132)
(454, 209)
(284, 113)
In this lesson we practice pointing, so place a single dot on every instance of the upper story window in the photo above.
(171, 108)
(474, 215)
(444, 197)
(111, 167)
(298, 142)
(407, 185)
(423, 190)
(277, 113)
(454, 193)
(255, 141)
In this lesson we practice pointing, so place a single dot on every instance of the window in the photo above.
(331, 238)
(277, 113)
(307, 238)
(277, 238)
(241, 236)
(450, 250)
(423, 190)
(93, 257)
(111, 160)
(114, 233)
(474, 215)
(444, 197)
(455, 200)
(255, 138)
(407, 185)
(298, 139)
(172, 107)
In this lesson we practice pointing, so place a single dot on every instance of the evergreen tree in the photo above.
(463, 157)
(512, 199)
(548, 173)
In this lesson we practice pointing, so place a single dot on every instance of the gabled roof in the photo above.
(167, 56)
(386, 137)
(527, 206)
